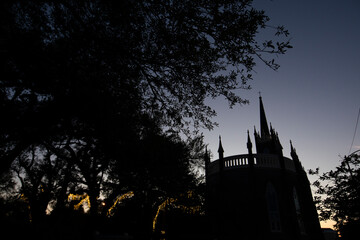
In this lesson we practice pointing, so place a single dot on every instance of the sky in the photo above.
(314, 98)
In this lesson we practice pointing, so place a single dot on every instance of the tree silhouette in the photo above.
(38, 176)
(88, 61)
(94, 95)
(338, 195)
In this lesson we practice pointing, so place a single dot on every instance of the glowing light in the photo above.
(73, 197)
(26, 200)
(83, 198)
(118, 200)
(161, 207)
(172, 201)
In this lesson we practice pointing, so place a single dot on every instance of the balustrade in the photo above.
(260, 161)
(236, 161)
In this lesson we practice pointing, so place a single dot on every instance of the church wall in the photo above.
(263, 195)
(237, 200)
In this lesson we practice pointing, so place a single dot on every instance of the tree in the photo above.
(41, 177)
(159, 168)
(338, 195)
(90, 62)
(105, 87)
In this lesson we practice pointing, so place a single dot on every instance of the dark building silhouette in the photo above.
(261, 195)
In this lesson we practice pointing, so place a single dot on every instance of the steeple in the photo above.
(264, 129)
(267, 140)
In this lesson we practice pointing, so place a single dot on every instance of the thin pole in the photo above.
(357, 121)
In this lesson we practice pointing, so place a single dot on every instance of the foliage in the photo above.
(338, 192)
(94, 96)
(71, 61)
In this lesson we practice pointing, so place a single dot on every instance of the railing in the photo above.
(236, 161)
(260, 161)
(266, 160)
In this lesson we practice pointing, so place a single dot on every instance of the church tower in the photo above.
(267, 142)
(262, 195)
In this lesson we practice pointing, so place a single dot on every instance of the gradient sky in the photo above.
(314, 98)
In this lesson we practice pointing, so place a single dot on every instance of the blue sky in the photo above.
(314, 98)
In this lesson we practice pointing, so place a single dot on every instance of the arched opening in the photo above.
(298, 211)
(273, 208)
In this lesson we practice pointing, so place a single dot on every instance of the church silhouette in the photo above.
(262, 195)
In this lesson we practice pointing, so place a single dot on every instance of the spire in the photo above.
(264, 129)
(267, 140)
(293, 151)
(291, 146)
(207, 162)
(206, 157)
(220, 150)
(249, 143)
(295, 158)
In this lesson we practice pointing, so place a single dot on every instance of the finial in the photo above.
(249, 144)
(220, 149)
(255, 133)
(292, 147)
(248, 137)
(206, 157)
(220, 146)
(259, 94)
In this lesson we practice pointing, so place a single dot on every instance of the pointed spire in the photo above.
(248, 135)
(295, 158)
(277, 142)
(293, 150)
(249, 143)
(220, 149)
(206, 157)
(293, 153)
(264, 129)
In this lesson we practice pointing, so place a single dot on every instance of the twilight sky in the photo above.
(314, 98)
